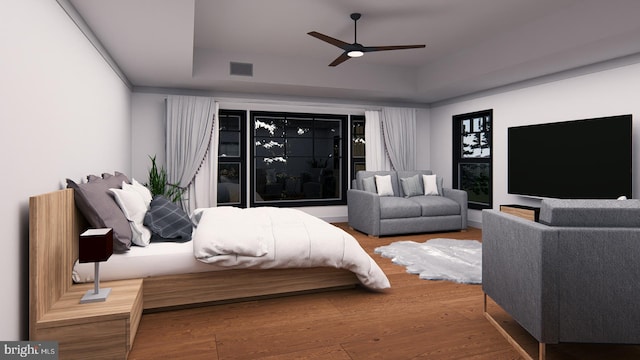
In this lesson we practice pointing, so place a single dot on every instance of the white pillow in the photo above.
(133, 207)
(140, 189)
(383, 184)
(430, 185)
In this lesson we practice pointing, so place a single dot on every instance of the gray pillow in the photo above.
(369, 184)
(115, 180)
(411, 186)
(101, 210)
(167, 221)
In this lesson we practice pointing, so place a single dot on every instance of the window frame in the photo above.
(459, 159)
(343, 162)
(357, 160)
(241, 159)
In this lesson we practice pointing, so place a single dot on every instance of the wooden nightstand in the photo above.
(101, 330)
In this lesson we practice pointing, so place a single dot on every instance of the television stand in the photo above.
(527, 212)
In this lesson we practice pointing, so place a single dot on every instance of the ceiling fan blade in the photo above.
(395, 47)
(340, 59)
(333, 41)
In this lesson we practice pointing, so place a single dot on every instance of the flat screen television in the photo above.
(580, 159)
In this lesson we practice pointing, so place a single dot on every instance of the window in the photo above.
(231, 158)
(472, 157)
(297, 159)
(358, 159)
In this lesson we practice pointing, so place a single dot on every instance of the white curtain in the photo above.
(399, 130)
(390, 137)
(203, 191)
(377, 158)
(191, 137)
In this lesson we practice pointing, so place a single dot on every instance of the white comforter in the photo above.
(268, 237)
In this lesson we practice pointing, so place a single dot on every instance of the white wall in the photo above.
(608, 91)
(148, 120)
(64, 114)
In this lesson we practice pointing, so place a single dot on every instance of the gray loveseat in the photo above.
(389, 215)
(572, 277)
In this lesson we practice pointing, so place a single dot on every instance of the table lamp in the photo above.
(95, 245)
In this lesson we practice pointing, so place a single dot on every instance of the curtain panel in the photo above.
(377, 158)
(189, 138)
(399, 130)
(390, 139)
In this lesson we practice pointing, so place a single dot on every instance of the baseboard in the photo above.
(475, 224)
(335, 219)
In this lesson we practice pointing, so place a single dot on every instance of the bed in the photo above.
(55, 224)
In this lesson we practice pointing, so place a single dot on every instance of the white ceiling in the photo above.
(472, 45)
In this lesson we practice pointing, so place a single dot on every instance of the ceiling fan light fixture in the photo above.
(355, 49)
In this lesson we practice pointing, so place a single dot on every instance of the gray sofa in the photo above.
(389, 215)
(572, 277)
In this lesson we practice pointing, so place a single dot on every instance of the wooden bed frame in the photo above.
(54, 228)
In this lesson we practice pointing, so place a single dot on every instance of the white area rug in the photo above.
(438, 259)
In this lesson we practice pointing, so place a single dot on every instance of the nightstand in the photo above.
(100, 330)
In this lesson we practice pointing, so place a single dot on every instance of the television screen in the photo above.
(581, 159)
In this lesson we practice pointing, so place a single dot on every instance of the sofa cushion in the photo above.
(394, 207)
(590, 213)
(436, 205)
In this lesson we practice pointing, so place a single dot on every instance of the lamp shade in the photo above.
(95, 245)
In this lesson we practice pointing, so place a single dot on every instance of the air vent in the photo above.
(242, 69)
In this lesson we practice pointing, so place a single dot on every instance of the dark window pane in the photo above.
(297, 158)
(229, 175)
(475, 180)
(229, 123)
(229, 144)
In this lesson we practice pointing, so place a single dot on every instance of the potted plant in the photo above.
(158, 184)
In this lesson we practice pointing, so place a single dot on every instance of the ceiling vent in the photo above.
(241, 69)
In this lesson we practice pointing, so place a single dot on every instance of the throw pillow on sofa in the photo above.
(431, 185)
(411, 186)
(383, 184)
(369, 184)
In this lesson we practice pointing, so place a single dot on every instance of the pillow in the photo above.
(134, 208)
(411, 186)
(369, 184)
(142, 190)
(116, 180)
(430, 185)
(101, 210)
(167, 221)
(383, 184)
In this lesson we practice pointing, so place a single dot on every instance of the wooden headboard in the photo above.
(54, 227)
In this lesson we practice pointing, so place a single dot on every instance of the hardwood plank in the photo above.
(415, 319)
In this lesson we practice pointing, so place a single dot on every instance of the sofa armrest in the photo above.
(459, 196)
(519, 265)
(363, 211)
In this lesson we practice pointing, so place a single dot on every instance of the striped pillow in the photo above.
(411, 186)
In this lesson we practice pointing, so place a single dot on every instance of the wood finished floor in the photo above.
(415, 319)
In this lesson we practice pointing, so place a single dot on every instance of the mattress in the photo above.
(157, 259)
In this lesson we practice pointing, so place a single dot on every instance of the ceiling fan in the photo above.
(356, 49)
